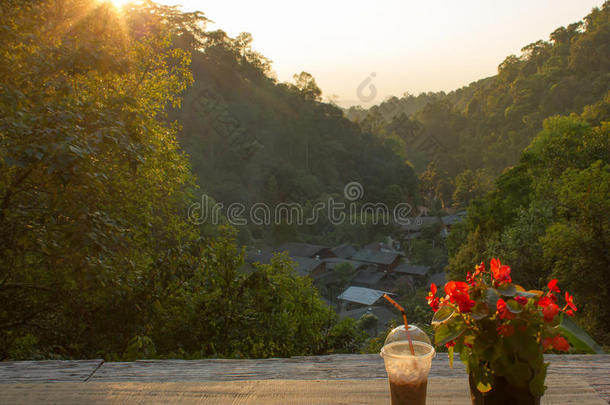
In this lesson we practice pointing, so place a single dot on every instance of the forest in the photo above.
(113, 124)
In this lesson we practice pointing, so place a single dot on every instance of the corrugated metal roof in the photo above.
(451, 219)
(373, 256)
(306, 265)
(332, 262)
(301, 249)
(345, 251)
(407, 268)
(383, 314)
(417, 223)
(368, 277)
(361, 295)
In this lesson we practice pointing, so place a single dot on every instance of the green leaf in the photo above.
(492, 299)
(518, 374)
(507, 290)
(484, 386)
(465, 355)
(514, 307)
(537, 386)
(578, 338)
(480, 311)
(483, 377)
(526, 294)
(444, 313)
(450, 352)
(449, 331)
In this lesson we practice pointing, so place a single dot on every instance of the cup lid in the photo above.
(399, 333)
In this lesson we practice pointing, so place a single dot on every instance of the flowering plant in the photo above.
(500, 330)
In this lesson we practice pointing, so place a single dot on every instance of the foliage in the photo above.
(501, 330)
(97, 257)
(253, 140)
(484, 127)
(93, 184)
(549, 216)
(346, 337)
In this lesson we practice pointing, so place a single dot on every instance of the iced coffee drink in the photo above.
(408, 373)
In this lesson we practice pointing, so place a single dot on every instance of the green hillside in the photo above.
(252, 140)
(482, 128)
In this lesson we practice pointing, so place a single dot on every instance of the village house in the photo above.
(385, 261)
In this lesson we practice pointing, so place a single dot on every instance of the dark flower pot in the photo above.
(502, 393)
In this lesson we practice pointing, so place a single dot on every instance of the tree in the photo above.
(93, 184)
(548, 217)
(306, 84)
(468, 185)
(576, 247)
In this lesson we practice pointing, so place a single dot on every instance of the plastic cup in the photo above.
(407, 373)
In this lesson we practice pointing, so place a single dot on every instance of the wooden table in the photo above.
(337, 379)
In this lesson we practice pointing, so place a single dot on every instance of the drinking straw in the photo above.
(404, 317)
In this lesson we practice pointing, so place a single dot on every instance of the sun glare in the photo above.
(119, 3)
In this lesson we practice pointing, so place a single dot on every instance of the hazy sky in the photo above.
(408, 46)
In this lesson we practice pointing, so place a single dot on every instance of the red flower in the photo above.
(553, 286)
(449, 344)
(556, 342)
(472, 277)
(549, 309)
(434, 304)
(506, 330)
(500, 272)
(545, 301)
(503, 311)
(456, 287)
(546, 343)
(569, 312)
(521, 300)
(570, 301)
(560, 343)
(458, 294)
(432, 299)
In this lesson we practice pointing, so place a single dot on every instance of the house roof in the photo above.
(305, 265)
(344, 251)
(416, 223)
(361, 295)
(262, 257)
(383, 247)
(452, 219)
(384, 315)
(372, 256)
(407, 268)
(332, 262)
(301, 249)
(368, 277)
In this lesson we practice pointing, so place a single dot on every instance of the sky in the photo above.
(362, 52)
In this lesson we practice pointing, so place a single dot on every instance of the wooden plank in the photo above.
(441, 390)
(593, 369)
(315, 367)
(47, 371)
(299, 368)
